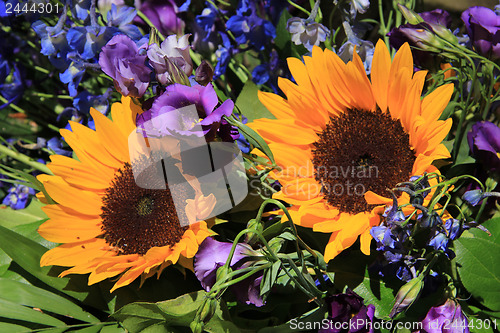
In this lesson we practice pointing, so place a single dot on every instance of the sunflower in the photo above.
(109, 226)
(341, 140)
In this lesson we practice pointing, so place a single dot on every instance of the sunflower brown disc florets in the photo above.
(361, 151)
(135, 219)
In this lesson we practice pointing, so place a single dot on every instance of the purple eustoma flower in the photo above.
(447, 318)
(213, 254)
(348, 308)
(484, 143)
(121, 60)
(172, 51)
(163, 15)
(177, 96)
(483, 27)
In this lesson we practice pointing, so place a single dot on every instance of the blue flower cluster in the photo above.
(73, 48)
(396, 237)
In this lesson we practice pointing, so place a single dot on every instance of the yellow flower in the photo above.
(109, 226)
(341, 139)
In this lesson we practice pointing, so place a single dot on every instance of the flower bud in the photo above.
(204, 73)
(410, 15)
(197, 326)
(473, 197)
(222, 272)
(208, 310)
(407, 295)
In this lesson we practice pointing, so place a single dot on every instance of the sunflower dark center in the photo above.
(135, 219)
(361, 151)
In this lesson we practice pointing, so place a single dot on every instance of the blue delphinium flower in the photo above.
(248, 27)
(85, 100)
(122, 17)
(306, 32)
(364, 48)
(72, 76)
(11, 83)
(206, 20)
(223, 53)
(18, 196)
(88, 41)
(473, 197)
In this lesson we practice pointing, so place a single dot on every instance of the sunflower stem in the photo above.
(25, 159)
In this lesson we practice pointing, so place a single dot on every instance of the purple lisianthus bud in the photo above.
(348, 308)
(306, 32)
(174, 52)
(483, 27)
(204, 73)
(163, 15)
(484, 143)
(212, 255)
(121, 60)
(446, 318)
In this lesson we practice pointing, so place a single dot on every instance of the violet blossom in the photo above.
(483, 27)
(121, 60)
(446, 318)
(177, 96)
(213, 254)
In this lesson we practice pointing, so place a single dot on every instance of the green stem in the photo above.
(39, 94)
(149, 23)
(308, 13)
(12, 105)
(25, 159)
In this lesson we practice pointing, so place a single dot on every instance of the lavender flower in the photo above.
(306, 32)
(163, 15)
(484, 143)
(483, 27)
(171, 51)
(177, 96)
(348, 308)
(446, 318)
(213, 254)
(121, 60)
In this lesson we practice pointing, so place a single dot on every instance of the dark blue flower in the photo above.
(206, 20)
(56, 146)
(11, 83)
(18, 196)
(85, 100)
(121, 17)
(72, 76)
(89, 40)
(223, 53)
(249, 28)
(473, 197)
(53, 39)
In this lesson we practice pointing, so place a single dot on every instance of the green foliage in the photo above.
(478, 255)
(249, 105)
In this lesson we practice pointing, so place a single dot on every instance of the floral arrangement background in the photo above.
(369, 138)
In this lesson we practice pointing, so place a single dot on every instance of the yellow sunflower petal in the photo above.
(381, 66)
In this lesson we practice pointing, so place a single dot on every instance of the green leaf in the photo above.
(12, 328)
(269, 277)
(477, 259)
(27, 253)
(249, 105)
(302, 323)
(30, 231)
(283, 37)
(18, 312)
(157, 317)
(10, 217)
(253, 137)
(375, 292)
(32, 296)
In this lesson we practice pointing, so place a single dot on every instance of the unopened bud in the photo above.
(407, 295)
(208, 310)
(222, 272)
(204, 73)
(177, 75)
(154, 38)
(410, 15)
(197, 326)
